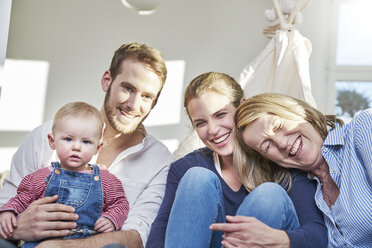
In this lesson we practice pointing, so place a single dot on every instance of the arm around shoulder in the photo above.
(312, 232)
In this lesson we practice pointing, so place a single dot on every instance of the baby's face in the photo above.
(76, 140)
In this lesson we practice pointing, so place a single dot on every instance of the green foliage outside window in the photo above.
(351, 102)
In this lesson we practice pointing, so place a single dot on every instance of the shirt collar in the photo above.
(335, 136)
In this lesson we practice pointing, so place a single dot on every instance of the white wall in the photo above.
(78, 37)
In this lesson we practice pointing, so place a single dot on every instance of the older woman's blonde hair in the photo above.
(285, 107)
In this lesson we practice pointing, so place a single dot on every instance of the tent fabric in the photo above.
(189, 144)
(282, 67)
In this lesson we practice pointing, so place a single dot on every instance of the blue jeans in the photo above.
(6, 244)
(114, 246)
(199, 203)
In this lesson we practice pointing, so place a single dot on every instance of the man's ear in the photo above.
(51, 141)
(242, 100)
(100, 144)
(106, 80)
(155, 100)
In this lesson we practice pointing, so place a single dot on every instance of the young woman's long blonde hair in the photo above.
(250, 175)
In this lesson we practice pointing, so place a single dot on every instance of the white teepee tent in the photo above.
(283, 66)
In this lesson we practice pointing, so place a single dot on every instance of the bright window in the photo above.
(354, 36)
(350, 69)
(23, 94)
(167, 110)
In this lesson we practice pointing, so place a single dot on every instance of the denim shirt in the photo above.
(348, 152)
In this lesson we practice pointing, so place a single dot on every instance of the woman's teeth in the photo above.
(221, 139)
(295, 147)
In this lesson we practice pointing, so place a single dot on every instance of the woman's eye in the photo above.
(278, 127)
(220, 115)
(266, 147)
(277, 124)
(199, 124)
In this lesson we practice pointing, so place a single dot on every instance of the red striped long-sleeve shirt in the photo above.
(32, 187)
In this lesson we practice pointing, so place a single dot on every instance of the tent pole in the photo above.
(279, 12)
(306, 5)
(294, 12)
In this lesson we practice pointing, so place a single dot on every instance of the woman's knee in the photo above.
(199, 189)
(269, 190)
(199, 176)
(201, 180)
(270, 204)
(267, 195)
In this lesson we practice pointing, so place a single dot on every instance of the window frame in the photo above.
(336, 72)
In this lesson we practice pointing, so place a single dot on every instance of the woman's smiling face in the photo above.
(288, 143)
(212, 117)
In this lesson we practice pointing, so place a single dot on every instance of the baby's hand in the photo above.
(102, 166)
(104, 225)
(7, 221)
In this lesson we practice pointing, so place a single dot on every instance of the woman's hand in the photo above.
(45, 219)
(243, 231)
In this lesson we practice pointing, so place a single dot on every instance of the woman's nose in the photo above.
(279, 140)
(213, 127)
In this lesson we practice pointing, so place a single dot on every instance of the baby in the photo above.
(97, 195)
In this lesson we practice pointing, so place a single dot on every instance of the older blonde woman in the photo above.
(292, 134)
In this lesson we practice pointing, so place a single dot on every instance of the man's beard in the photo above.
(115, 124)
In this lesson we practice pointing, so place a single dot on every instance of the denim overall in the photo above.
(79, 190)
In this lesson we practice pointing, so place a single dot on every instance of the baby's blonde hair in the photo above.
(78, 109)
